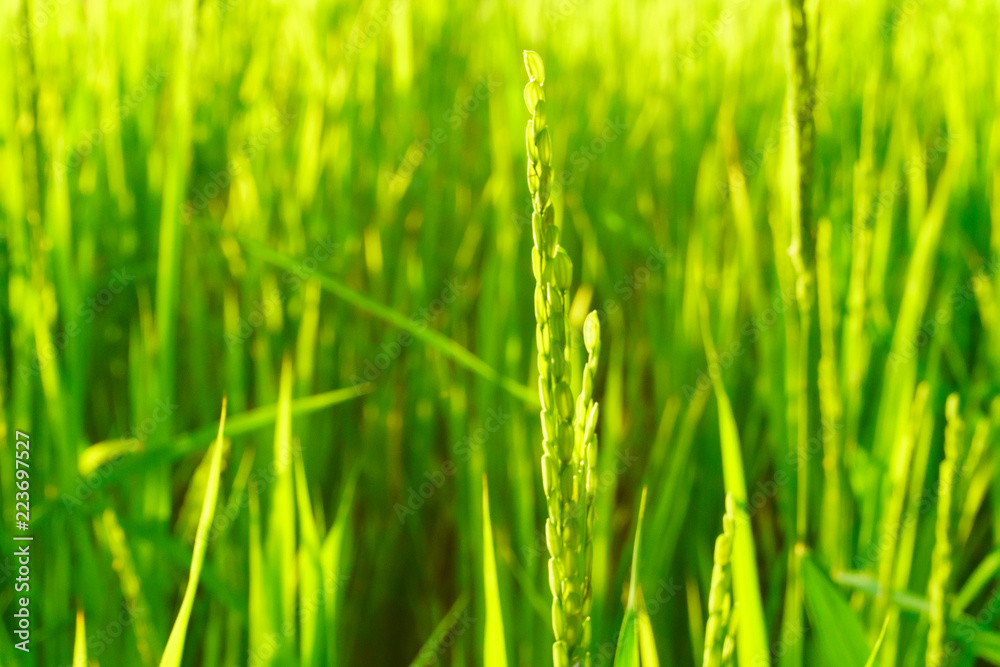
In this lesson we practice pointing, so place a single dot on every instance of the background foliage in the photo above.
(285, 203)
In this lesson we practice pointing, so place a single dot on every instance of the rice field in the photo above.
(499, 334)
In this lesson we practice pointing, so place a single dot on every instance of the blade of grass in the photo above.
(647, 639)
(334, 562)
(280, 541)
(175, 644)
(80, 641)
(628, 650)
(752, 644)
(840, 635)
(438, 341)
(428, 654)
(495, 648)
(976, 582)
(189, 443)
(878, 644)
(311, 590)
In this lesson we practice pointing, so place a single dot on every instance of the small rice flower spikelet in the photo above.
(719, 629)
(941, 565)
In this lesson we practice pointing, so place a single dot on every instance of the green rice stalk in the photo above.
(585, 460)
(941, 564)
(718, 630)
(729, 646)
(564, 471)
(80, 641)
(891, 525)
(832, 537)
(802, 253)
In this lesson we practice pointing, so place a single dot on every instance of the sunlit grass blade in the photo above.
(195, 441)
(751, 645)
(878, 645)
(311, 589)
(438, 341)
(174, 650)
(431, 650)
(976, 582)
(495, 647)
(80, 641)
(629, 649)
(335, 565)
(840, 635)
(146, 637)
(280, 543)
(647, 639)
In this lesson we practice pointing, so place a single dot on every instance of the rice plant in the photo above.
(569, 427)
(765, 239)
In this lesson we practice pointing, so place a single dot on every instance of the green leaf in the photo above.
(311, 589)
(279, 548)
(80, 642)
(421, 332)
(628, 651)
(647, 640)
(751, 643)
(335, 564)
(878, 644)
(430, 651)
(839, 633)
(495, 649)
(174, 651)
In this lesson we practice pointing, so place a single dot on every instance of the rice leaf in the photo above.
(751, 643)
(80, 641)
(840, 635)
(629, 650)
(438, 341)
(647, 639)
(495, 648)
(175, 644)
(431, 650)
(878, 644)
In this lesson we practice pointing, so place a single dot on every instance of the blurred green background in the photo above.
(191, 193)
